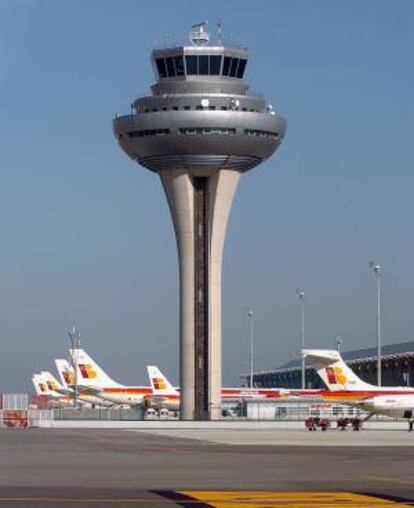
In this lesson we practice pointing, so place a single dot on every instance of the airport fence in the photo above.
(116, 414)
(23, 411)
(18, 410)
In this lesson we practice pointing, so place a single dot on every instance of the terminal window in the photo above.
(191, 62)
(162, 70)
(201, 65)
(179, 65)
(215, 64)
(149, 132)
(263, 134)
(207, 130)
(170, 67)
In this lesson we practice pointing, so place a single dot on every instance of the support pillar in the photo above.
(200, 208)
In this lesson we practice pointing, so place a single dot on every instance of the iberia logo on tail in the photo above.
(52, 385)
(87, 371)
(159, 383)
(335, 375)
(69, 377)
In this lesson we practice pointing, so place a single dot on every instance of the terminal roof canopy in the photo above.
(391, 351)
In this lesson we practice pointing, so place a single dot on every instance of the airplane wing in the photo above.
(90, 390)
(64, 391)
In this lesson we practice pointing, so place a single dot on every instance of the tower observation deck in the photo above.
(199, 130)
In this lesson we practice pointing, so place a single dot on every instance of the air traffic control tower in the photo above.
(200, 130)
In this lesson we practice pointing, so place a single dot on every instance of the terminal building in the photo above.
(397, 369)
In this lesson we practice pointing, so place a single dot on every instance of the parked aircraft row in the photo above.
(97, 388)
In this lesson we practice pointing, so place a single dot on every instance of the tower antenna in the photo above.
(199, 35)
(219, 32)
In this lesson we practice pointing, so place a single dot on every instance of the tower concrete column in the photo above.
(179, 190)
(200, 282)
(223, 186)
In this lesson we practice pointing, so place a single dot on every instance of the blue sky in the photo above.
(87, 236)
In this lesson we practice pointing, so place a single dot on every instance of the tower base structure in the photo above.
(200, 208)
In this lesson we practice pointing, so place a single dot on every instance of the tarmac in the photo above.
(292, 437)
(205, 468)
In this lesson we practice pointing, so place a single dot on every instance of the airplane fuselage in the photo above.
(130, 396)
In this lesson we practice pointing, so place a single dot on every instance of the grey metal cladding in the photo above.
(199, 121)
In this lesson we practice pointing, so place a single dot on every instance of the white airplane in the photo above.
(165, 395)
(46, 384)
(67, 377)
(39, 385)
(163, 392)
(345, 386)
(92, 379)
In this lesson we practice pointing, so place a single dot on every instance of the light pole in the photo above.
(339, 342)
(302, 298)
(251, 321)
(74, 338)
(378, 270)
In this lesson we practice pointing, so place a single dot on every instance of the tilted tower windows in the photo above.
(200, 65)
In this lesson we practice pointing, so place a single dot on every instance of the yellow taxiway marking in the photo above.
(269, 499)
(232, 499)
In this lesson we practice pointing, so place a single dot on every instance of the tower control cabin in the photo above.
(199, 130)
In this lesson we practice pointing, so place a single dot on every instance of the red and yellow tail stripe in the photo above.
(87, 371)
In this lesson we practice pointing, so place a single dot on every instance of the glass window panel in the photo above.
(241, 67)
(162, 71)
(191, 63)
(170, 66)
(203, 64)
(179, 65)
(226, 65)
(215, 64)
(233, 67)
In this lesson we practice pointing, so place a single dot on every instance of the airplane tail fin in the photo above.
(39, 385)
(66, 373)
(159, 383)
(89, 373)
(334, 372)
(51, 382)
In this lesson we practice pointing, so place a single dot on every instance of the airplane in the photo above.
(346, 387)
(92, 379)
(46, 384)
(65, 371)
(163, 392)
(39, 385)
(67, 377)
(52, 383)
(166, 395)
